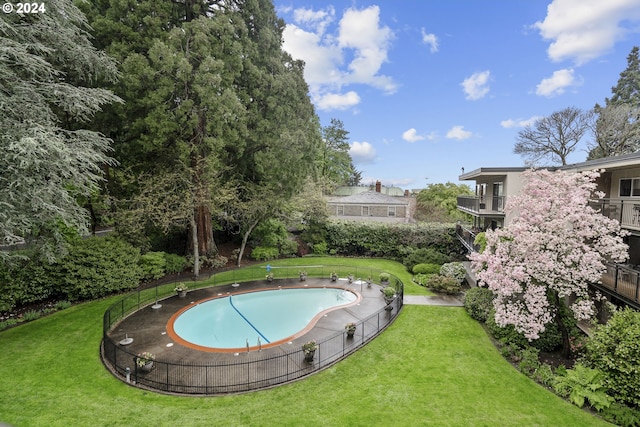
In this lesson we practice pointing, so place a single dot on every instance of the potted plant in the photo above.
(369, 282)
(350, 277)
(269, 277)
(144, 361)
(309, 348)
(181, 289)
(303, 275)
(350, 329)
(384, 279)
(389, 294)
(334, 276)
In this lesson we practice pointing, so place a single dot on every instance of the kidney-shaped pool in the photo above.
(230, 323)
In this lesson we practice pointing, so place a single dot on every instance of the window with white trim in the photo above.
(365, 211)
(340, 210)
(630, 187)
(391, 211)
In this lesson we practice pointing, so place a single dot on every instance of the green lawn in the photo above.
(433, 366)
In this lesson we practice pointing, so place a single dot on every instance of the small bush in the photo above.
(320, 248)
(61, 305)
(31, 315)
(8, 323)
(424, 256)
(264, 253)
(443, 284)
(621, 415)
(507, 335)
(581, 385)
(530, 362)
(152, 265)
(614, 348)
(544, 375)
(479, 302)
(289, 248)
(421, 279)
(426, 269)
(384, 277)
(454, 270)
(174, 263)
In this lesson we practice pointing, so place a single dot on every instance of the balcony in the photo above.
(482, 205)
(626, 211)
(623, 282)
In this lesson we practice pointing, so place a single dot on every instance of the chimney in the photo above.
(378, 186)
(406, 193)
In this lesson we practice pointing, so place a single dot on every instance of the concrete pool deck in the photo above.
(148, 326)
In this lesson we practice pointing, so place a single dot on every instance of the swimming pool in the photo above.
(265, 318)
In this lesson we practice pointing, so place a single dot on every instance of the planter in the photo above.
(182, 294)
(308, 355)
(350, 334)
(146, 367)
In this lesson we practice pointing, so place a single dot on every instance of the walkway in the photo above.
(443, 300)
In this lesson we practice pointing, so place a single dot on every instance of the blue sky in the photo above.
(427, 87)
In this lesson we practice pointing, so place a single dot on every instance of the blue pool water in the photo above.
(270, 316)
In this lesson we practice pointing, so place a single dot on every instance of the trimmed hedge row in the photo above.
(394, 241)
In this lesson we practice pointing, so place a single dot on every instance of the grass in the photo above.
(433, 366)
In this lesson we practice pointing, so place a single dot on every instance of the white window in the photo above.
(392, 211)
(340, 210)
(630, 187)
(365, 211)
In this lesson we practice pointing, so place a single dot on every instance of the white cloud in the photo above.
(458, 132)
(411, 135)
(519, 123)
(362, 152)
(352, 53)
(586, 29)
(476, 86)
(337, 101)
(431, 40)
(557, 83)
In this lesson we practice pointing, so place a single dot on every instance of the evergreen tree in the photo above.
(49, 77)
(617, 128)
(336, 167)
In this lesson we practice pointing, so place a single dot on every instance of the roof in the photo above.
(631, 159)
(368, 198)
(348, 190)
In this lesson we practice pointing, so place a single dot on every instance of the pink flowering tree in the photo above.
(553, 248)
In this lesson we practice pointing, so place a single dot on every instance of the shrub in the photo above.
(621, 415)
(479, 302)
(581, 385)
(426, 269)
(424, 256)
(443, 284)
(544, 375)
(31, 315)
(264, 253)
(384, 277)
(152, 265)
(549, 340)
(454, 270)
(614, 349)
(97, 267)
(61, 305)
(529, 362)
(289, 248)
(320, 248)
(174, 263)
(8, 323)
(421, 279)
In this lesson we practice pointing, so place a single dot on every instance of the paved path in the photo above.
(445, 300)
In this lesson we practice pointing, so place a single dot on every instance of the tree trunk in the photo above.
(206, 244)
(245, 237)
(196, 252)
(562, 327)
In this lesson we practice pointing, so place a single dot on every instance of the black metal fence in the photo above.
(254, 369)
